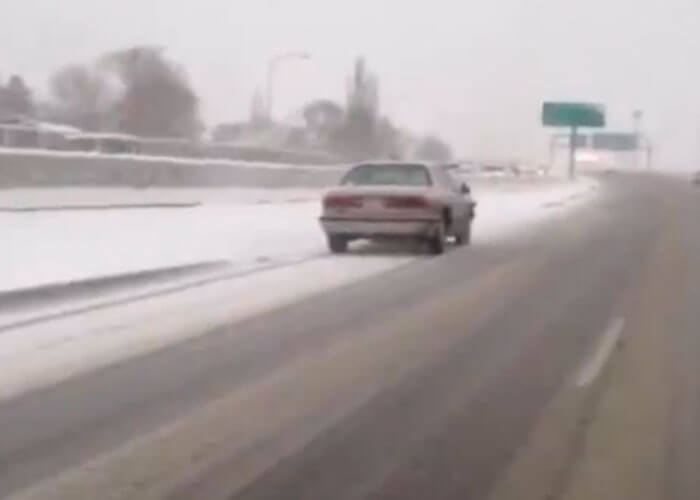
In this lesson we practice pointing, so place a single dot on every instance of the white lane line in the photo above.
(590, 371)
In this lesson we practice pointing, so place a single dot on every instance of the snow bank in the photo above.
(87, 197)
(68, 246)
(512, 208)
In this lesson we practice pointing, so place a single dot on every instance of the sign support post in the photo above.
(573, 139)
(572, 115)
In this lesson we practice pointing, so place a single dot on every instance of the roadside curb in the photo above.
(116, 206)
(118, 290)
(31, 304)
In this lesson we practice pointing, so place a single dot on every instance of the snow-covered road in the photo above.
(250, 228)
(274, 232)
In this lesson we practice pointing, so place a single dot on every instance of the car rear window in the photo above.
(388, 175)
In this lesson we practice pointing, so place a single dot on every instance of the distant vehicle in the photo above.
(414, 201)
(494, 171)
(466, 168)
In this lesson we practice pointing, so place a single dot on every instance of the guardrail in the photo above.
(37, 168)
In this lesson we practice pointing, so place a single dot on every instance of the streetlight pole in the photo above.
(271, 68)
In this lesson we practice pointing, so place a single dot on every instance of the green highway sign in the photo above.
(573, 114)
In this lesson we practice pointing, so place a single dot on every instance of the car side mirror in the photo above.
(464, 189)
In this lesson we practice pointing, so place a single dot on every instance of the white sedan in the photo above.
(398, 200)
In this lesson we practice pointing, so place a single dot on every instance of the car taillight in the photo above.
(342, 201)
(406, 202)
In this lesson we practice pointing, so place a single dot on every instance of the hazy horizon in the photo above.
(474, 73)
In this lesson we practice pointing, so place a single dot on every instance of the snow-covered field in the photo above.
(64, 246)
(264, 229)
(250, 228)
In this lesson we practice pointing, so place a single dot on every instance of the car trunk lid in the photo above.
(379, 202)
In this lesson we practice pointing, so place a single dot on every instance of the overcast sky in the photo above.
(473, 71)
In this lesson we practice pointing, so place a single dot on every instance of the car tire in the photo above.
(465, 236)
(337, 244)
(436, 244)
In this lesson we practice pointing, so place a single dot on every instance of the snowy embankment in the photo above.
(250, 228)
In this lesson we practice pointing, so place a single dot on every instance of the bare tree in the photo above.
(157, 99)
(388, 139)
(82, 97)
(323, 118)
(16, 98)
(433, 148)
(357, 137)
(258, 112)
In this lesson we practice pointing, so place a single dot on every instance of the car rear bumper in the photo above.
(370, 228)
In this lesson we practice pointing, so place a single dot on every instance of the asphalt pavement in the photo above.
(560, 363)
